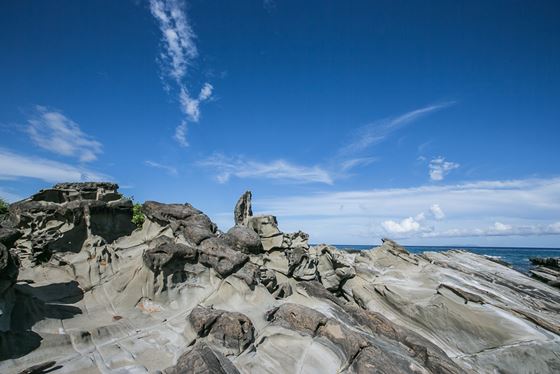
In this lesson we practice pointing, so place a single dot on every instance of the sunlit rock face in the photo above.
(82, 290)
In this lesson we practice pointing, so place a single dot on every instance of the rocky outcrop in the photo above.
(546, 270)
(60, 219)
(80, 291)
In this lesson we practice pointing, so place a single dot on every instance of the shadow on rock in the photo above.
(15, 344)
(34, 304)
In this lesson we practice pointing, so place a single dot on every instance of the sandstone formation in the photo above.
(82, 290)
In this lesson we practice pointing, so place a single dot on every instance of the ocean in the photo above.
(517, 257)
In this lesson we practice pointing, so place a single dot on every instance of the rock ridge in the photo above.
(83, 290)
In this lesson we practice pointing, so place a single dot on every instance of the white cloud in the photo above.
(357, 216)
(437, 212)
(178, 37)
(169, 169)
(53, 131)
(357, 162)
(378, 131)
(14, 166)
(278, 169)
(191, 106)
(181, 134)
(179, 51)
(498, 226)
(439, 168)
(405, 226)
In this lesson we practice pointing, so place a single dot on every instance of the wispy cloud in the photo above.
(9, 195)
(179, 51)
(356, 162)
(53, 131)
(498, 229)
(281, 170)
(358, 216)
(439, 168)
(167, 168)
(14, 166)
(374, 133)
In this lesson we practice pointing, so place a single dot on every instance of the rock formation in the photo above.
(546, 270)
(82, 290)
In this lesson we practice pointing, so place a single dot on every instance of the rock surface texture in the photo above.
(82, 290)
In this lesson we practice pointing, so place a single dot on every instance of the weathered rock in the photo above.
(183, 219)
(167, 213)
(301, 264)
(216, 253)
(333, 268)
(62, 218)
(229, 332)
(297, 317)
(264, 226)
(123, 305)
(268, 279)
(168, 255)
(548, 262)
(8, 236)
(243, 210)
(244, 240)
(9, 265)
(202, 359)
(249, 273)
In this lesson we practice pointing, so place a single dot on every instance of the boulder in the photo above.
(217, 253)
(229, 332)
(202, 359)
(167, 255)
(183, 219)
(244, 239)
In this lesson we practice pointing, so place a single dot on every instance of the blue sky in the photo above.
(431, 123)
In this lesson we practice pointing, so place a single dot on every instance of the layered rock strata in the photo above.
(81, 290)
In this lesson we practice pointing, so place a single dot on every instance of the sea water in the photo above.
(517, 257)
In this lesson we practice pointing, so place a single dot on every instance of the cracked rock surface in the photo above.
(83, 290)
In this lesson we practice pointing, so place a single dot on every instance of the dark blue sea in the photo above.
(517, 257)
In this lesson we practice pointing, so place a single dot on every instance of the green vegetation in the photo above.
(137, 215)
(3, 206)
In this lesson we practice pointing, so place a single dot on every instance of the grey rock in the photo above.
(243, 209)
(244, 240)
(216, 253)
(166, 255)
(9, 235)
(265, 226)
(249, 273)
(229, 332)
(166, 213)
(268, 279)
(184, 220)
(301, 264)
(202, 359)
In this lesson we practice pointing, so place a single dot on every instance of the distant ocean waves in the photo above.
(517, 257)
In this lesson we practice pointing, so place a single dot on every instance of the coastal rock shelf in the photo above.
(83, 290)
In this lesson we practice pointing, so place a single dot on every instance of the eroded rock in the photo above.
(216, 253)
(230, 332)
(202, 359)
